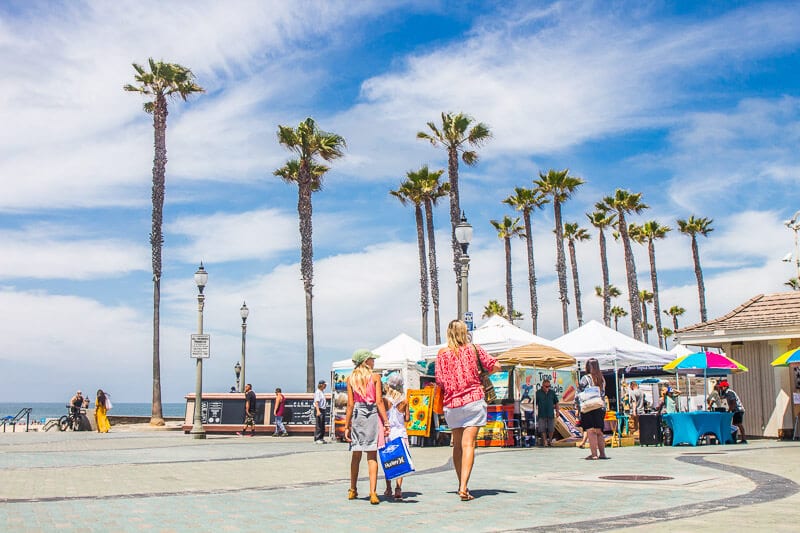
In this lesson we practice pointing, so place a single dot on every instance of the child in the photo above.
(397, 412)
(365, 420)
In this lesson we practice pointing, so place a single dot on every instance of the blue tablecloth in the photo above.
(687, 428)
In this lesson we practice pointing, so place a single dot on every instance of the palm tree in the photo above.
(666, 333)
(457, 134)
(525, 201)
(493, 308)
(794, 283)
(648, 233)
(161, 83)
(572, 232)
(602, 219)
(559, 186)
(433, 190)
(692, 227)
(410, 191)
(625, 202)
(675, 311)
(617, 312)
(506, 229)
(613, 291)
(645, 297)
(309, 143)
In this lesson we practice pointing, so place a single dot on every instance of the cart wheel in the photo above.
(63, 423)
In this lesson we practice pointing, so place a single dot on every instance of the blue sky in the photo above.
(695, 105)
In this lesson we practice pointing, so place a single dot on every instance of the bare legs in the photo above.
(464, 455)
(597, 443)
(372, 466)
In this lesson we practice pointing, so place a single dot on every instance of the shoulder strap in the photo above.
(481, 370)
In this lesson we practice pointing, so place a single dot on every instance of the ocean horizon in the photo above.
(56, 409)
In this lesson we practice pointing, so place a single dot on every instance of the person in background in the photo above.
(636, 399)
(735, 406)
(464, 399)
(100, 412)
(280, 402)
(76, 403)
(593, 422)
(320, 403)
(714, 400)
(233, 390)
(397, 413)
(249, 411)
(546, 404)
(366, 422)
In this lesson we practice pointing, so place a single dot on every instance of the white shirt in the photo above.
(319, 399)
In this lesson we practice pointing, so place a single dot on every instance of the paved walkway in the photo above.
(166, 481)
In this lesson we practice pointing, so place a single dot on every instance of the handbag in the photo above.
(438, 400)
(590, 398)
(395, 459)
(486, 382)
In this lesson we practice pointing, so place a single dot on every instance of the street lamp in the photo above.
(200, 278)
(243, 312)
(237, 369)
(794, 225)
(463, 233)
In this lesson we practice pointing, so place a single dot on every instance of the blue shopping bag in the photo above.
(395, 459)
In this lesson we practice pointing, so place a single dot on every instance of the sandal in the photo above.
(398, 494)
(387, 492)
(590, 458)
(352, 494)
(373, 498)
(465, 496)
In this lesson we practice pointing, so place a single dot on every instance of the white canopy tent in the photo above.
(400, 353)
(496, 335)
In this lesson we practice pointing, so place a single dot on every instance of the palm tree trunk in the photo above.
(455, 212)
(616, 323)
(156, 240)
(531, 271)
(606, 283)
(509, 297)
(675, 322)
(434, 269)
(561, 267)
(644, 323)
(304, 211)
(651, 248)
(576, 282)
(423, 272)
(633, 286)
(698, 272)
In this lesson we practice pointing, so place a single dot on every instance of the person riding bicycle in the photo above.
(76, 403)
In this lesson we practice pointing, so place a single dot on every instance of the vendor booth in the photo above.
(400, 354)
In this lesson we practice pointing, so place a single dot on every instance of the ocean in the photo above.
(56, 409)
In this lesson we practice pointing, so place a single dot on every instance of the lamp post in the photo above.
(243, 312)
(463, 233)
(197, 432)
(237, 369)
(794, 225)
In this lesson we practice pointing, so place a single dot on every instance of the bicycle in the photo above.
(72, 420)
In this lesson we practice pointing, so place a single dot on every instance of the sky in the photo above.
(694, 104)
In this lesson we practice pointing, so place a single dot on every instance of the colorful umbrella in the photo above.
(709, 363)
(792, 356)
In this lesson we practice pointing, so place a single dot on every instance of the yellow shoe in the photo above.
(352, 494)
(373, 498)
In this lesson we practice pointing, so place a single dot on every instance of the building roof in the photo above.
(764, 314)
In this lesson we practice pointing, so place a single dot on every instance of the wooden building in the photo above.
(754, 334)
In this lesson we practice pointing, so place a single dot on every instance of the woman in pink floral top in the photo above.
(464, 405)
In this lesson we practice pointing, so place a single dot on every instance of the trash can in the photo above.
(650, 433)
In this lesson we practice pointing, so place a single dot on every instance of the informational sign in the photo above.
(200, 346)
(468, 320)
(300, 412)
(229, 412)
(211, 412)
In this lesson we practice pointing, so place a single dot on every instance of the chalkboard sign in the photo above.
(228, 411)
(300, 412)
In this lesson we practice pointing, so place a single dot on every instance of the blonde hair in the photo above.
(359, 378)
(457, 334)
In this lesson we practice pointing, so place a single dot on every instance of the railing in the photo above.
(12, 421)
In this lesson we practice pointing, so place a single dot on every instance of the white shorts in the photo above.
(472, 414)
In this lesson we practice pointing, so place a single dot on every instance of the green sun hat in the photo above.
(361, 355)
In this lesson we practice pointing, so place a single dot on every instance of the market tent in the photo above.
(679, 350)
(536, 355)
(400, 352)
(496, 335)
(611, 348)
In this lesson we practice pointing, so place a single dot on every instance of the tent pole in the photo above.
(616, 380)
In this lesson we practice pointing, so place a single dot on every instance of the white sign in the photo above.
(200, 346)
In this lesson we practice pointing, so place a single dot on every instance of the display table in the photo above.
(687, 428)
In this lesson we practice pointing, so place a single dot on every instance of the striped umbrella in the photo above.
(792, 356)
(708, 363)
